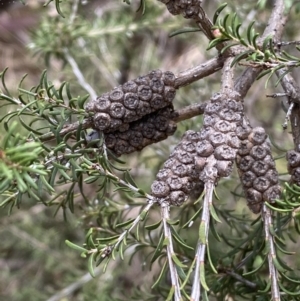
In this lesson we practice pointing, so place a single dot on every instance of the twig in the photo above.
(276, 95)
(289, 85)
(292, 89)
(70, 128)
(170, 252)
(272, 254)
(193, 74)
(134, 223)
(287, 43)
(105, 172)
(227, 76)
(288, 116)
(238, 277)
(201, 247)
(77, 72)
(182, 79)
(275, 27)
(188, 112)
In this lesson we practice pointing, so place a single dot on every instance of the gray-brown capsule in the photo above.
(188, 9)
(102, 121)
(130, 87)
(204, 148)
(116, 95)
(138, 134)
(293, 158)
(293, 164)
(133, 100)
(254, 200)
(160, 189)
(271, 194)
(224, 126)
(257, 170)
(176, 198)
(102, 103)
(224, 168)
(178, 172)
(218, 140)
(258, 135)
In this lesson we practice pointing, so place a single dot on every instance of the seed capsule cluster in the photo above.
(217, 142)
(187, 8)
(178, 177)
(218, 138)
(131, 101)
(149, 129)
(256, 168)
(293, 159)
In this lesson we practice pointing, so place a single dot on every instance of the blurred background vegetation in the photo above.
(111, 42)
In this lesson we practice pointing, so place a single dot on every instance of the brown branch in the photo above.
(188, 112)
(292, 90)
(70, 128)
(227, 76)
(195, 73)
(182, 79)
(275, 27)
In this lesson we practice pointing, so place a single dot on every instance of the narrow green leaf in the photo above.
(184, 30)
(263, 73)
(180, 241)
(240, 57)
(215, 42)
(266, 42)
(218, 11)
(121, 250)
(233, 24)
(202, 234)
(202, 277)
(153, 226)
(250, 32)
(91, 264)
(257, 268)
(129, 178)
(289, 293)
(158, 249)
(177, 261)
(162, 271)
(47, 185)
(2, 75)
(214, 231)
(173, 223)
(266, 289)
(29, 180)
(278, 266)
(228, 46)
(7, 200)
(171, 294)
(210, 260)
(214, 214)
(197, 213)
(124, 224)
(108, 239)
(75, 247)
(277, 209)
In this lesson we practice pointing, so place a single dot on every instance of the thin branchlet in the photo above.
(267, 217)
(170, 251)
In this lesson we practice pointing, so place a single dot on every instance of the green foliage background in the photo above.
(111, 44)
